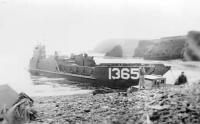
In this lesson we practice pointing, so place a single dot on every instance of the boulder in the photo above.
(115, 52)
(192, 47)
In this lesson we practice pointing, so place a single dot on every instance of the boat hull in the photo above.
(86, 79)
(83, 69)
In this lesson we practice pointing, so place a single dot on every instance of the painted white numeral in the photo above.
(134, 73)
(125, 73)
(109, 74)
(116, 72)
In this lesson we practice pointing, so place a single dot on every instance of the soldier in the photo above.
(56, 55)
(182, 79)
(141, 80)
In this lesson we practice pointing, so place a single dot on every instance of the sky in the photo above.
(79, 25)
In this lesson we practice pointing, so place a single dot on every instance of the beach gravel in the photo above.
(176, 104)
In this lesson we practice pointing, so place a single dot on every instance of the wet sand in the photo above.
(177, 104)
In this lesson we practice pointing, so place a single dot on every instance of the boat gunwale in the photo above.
(65, 73)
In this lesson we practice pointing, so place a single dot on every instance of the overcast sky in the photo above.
(78, 25)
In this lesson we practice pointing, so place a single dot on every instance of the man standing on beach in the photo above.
(141, 80)
(182, 79)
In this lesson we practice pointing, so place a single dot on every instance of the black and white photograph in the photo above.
(99, 62)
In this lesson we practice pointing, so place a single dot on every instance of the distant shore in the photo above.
(178, 104)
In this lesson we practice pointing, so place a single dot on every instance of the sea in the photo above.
(14, 72)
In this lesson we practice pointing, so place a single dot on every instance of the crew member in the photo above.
(182, 79)
(56, 55)
(141, 80)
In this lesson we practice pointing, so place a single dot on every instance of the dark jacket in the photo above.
(182, 79)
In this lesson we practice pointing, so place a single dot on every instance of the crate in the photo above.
(154, 81)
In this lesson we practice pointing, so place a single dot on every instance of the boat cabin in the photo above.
(153, 81)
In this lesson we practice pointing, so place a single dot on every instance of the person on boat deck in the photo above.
(141, 80)
(182, 79)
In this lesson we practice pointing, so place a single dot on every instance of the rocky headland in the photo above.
(161, 49)
(142, 48)
(186, 47)
(168, 48)
(115, 52)
(192, 46)
(127, 46)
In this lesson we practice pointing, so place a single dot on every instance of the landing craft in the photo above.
(82, 68)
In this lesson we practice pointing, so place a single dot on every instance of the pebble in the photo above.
(161, 105)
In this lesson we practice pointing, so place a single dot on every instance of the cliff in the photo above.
(143, 46)
(115, 52)
(177, 47)
(167, 49)
(161, 49)
(192, 46)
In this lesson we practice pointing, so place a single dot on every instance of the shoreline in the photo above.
(172, 104)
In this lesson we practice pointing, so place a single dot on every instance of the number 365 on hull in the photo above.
(116, 73)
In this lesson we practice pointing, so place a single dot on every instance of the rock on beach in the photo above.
(176, 104)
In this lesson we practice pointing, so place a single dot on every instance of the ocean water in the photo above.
(14, 72)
